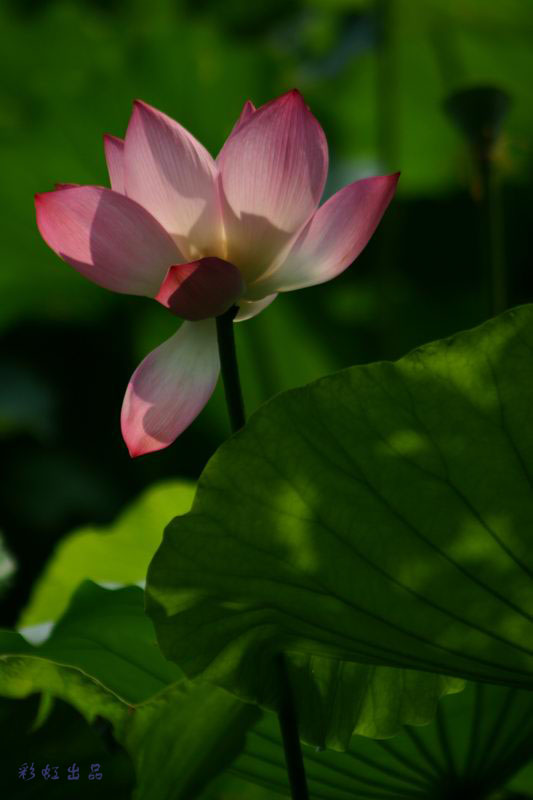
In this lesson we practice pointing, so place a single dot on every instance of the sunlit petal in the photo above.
(334, 237)
(172, 175)
(249, 308)
(272, 173)
(170, 388)
(114, 156)
(107, 237)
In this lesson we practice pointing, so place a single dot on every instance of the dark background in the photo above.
(376, 74)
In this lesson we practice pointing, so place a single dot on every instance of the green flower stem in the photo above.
(287, 714)
(230, 369)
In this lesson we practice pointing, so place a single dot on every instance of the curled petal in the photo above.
(201, 289)
(107, 237)
(334, 237)
(272, 173)
(251, 308)
(170, 388)
(172, 175)
(114, 156)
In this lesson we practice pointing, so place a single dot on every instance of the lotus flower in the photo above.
(200, 235)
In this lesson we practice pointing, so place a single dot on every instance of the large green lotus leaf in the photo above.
(182, 739)
(102, 658)
(119, 553)
(337, 697)
(106, 634)
(380, 515)
(479, 742)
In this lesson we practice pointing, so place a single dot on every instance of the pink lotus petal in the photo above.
(201, 289)
(273, 169)
(247, 110)
(170, 388)
(114, 156)
(173, 176)
(59, 186)
(334, 237)
(249, 308)
(107, 237)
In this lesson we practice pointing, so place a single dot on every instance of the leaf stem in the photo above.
(288, 723)
(287, 713)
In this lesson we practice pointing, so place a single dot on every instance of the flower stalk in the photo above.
(287, 717)
(230, 369)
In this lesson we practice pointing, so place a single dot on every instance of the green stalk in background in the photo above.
(387, 96)
(479, 114)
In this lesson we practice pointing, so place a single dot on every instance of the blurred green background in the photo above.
(376, 74)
